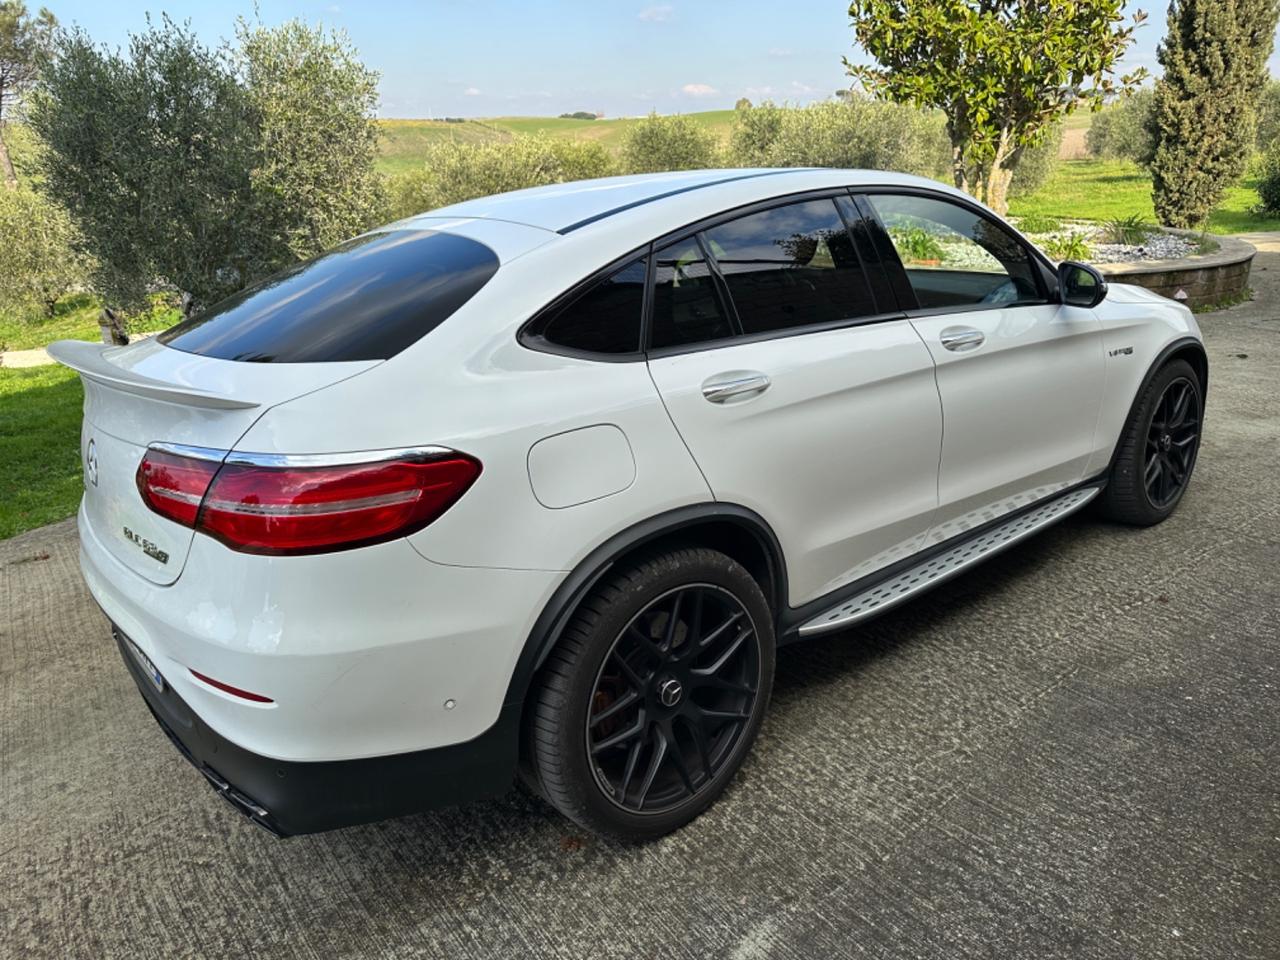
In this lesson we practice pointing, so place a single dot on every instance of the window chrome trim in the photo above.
(421, 454)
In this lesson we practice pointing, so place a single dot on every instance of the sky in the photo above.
(487, 58)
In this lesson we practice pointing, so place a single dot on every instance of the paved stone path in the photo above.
(1070, 752)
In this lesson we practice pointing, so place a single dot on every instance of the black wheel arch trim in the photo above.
(557, 612)
(1180, 345)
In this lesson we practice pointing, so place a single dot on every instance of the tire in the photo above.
(640, 672)
(1156, 433)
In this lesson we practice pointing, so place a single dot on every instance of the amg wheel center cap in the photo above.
(1166, 442)
(670, 692)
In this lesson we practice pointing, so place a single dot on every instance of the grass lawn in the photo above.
(39, 447)
(1107, 189)
(75, 317)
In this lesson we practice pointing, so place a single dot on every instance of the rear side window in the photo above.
(604, 319)
(366, 299)
(791, 266)
(686, 304)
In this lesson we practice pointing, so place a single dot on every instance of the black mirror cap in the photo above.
(1080, 285)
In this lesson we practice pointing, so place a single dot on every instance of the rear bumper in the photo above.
(291, 797)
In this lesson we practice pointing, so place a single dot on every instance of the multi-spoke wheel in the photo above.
(1158, 448)
(650, 701)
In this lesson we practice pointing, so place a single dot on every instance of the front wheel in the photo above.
(651, 700)
(1158, 448)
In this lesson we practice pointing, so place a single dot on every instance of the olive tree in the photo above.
(24, 39)
(1003, 72)
(314, 106)
(676, 142)
(40, 262)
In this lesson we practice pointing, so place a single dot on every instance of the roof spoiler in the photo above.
(89, 360)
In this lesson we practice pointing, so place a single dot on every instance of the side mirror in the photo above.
(1080, 284)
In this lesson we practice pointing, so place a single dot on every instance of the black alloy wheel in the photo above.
(1172, 442)
(672, 698)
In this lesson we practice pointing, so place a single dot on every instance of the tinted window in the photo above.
(366, 299)
(954, 257)
(791, 266)
(686, 305)
(605, 319)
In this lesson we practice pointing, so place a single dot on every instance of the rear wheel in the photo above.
(1158, 448)
(651, 700)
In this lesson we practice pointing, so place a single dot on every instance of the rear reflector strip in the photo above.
(228, 688)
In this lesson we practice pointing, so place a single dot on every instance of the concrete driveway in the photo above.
(1072, 752)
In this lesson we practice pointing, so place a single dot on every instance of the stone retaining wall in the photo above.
(1204, 279)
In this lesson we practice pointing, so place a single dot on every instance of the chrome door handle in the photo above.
(734, 385)
(961, 339)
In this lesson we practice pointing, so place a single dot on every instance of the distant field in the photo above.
(404, 140)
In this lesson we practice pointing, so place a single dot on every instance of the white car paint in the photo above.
(869, 441)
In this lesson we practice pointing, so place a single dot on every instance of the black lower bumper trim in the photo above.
(290, 797)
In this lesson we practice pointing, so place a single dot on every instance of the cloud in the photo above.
(798, 87)
(781, 52)
(471, 92)
(698, 89)
(658, 14)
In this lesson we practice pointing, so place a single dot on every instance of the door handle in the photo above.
(734, 385)
(961, 339)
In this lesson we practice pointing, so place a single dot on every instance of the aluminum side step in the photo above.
(931, 572)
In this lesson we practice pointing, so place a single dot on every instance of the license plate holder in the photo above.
(149, 668)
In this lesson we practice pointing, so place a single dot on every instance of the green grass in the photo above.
(39, 447)
(75, 317)
(1111, 189)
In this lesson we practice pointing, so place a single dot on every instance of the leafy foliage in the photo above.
(1269, 115)
(40, 263)
(454, 172)
(1036, 164)
(24, 40)
(1130, 230)
(1067, 246)
(1214, 58)
(917, 244)
(1039, 223)
(853, 133)
(204, 169)
(578, 115)
(660, 143)
(1122, 130)
(1002, 71)
(151, 152)
(314, 183)
(1269, 180)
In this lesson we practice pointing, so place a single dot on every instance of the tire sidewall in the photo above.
(1178, 370)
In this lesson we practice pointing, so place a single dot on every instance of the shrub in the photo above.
(668, 143)
(1269, 115)
(1039, 223)
(39, 263)
(1269, 180)
(852, 133)
(578, 115)
(454, 172)
(1067, 246)
(917, 244)
(1122, 130)
(1127, 230)
(1036, 164)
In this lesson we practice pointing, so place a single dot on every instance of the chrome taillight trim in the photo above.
(423, 454)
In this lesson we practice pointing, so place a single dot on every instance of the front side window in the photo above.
(791, 266)
(954, 257)
(605, 319)
(686, 304)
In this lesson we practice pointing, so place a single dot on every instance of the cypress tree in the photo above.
(1205, 111)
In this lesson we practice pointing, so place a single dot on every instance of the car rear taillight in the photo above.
(305, 509)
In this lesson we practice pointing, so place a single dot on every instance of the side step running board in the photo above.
(943, 566)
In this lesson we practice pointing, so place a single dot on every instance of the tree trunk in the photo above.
(6, 165)
(998, 177)
(112, 326)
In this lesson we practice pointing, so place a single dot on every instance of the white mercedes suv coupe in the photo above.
(536, 484)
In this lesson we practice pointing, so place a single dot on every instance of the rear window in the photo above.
(366, 299)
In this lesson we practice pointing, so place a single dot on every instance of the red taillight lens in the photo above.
(173, 486)
(294, 510)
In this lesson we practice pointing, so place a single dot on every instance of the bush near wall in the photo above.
(1121, 131)
(454, 172)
